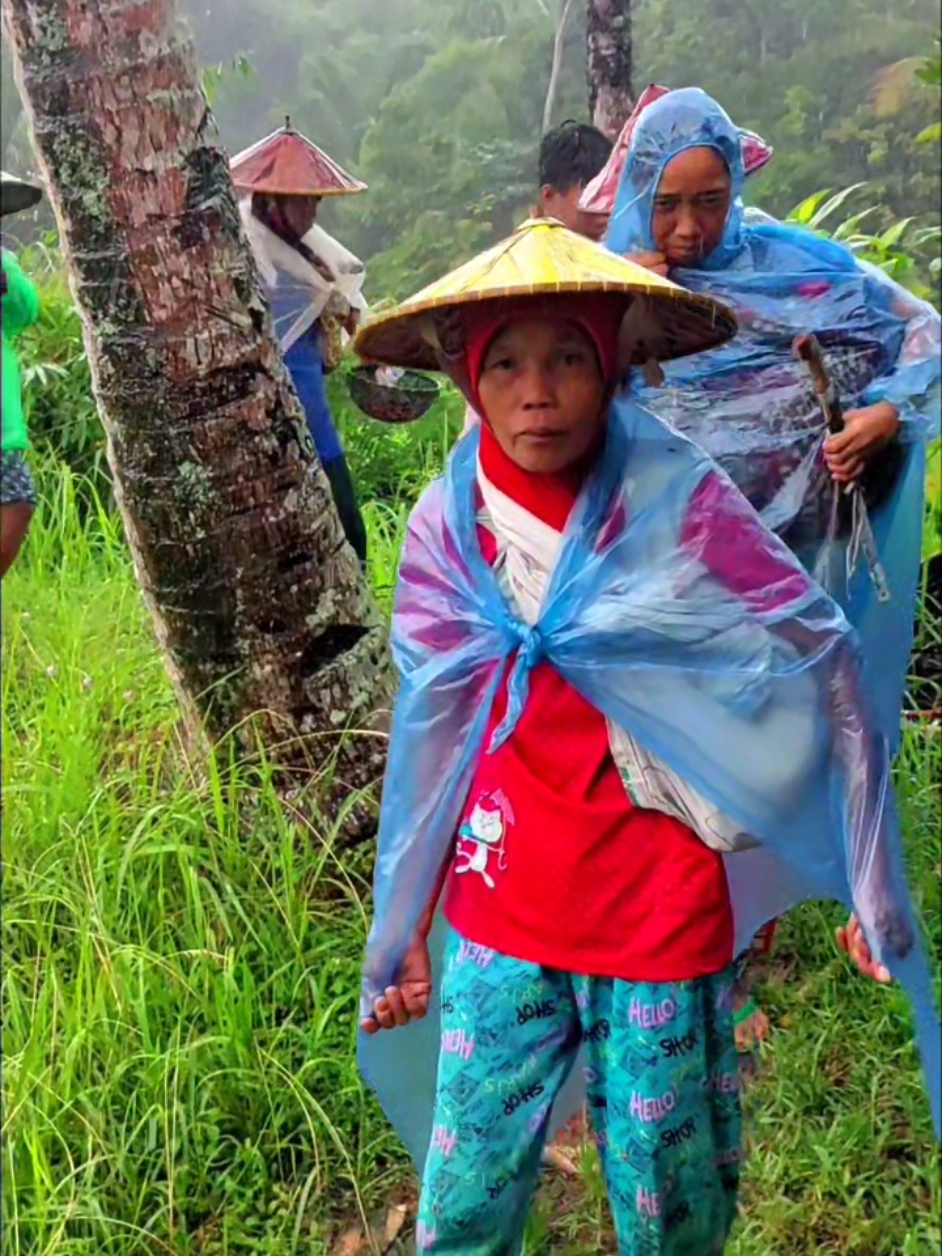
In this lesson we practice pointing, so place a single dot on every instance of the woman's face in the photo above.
(542, 393)
(691, 206)
(564, 207)
(299, 213)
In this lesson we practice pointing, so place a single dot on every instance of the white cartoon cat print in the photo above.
(482, 835)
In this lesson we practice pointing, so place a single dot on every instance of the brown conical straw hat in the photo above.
(543, 258)
(286, 163)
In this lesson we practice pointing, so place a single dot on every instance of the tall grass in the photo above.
(181, 970)
(180, 981)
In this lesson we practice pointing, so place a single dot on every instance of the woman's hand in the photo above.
(323, 269)
(407, 1000)
(865, 433)
(650, 261)
(851, 940)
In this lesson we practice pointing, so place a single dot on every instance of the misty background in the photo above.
(438, 104)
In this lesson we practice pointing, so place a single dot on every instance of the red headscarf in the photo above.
(596, 316)
(548, 496)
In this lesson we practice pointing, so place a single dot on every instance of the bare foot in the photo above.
(555, 1158)
(565, 1152)
(752, 1032)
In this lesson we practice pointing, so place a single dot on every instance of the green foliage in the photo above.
(932, 534)
(213, 76)
(906, 251)
(439, 106)
(181, 949)
(429, 250)
(930, 72)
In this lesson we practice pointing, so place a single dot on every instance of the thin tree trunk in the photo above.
(553, 87)
(257, 601)
(609, 63)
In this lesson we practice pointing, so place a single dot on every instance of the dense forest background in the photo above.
(439, 105)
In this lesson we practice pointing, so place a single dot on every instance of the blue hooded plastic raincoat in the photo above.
(750, 405)
(631, 615)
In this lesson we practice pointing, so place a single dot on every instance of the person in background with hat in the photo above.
(579, 604)
(314, 285)
(19, 308)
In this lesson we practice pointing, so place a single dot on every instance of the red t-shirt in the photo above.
(553, 863)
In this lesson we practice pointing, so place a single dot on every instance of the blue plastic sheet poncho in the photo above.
(750, 404)
(636, 621)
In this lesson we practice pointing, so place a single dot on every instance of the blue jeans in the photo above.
(306, 368)
(345, 500)
(307, 374)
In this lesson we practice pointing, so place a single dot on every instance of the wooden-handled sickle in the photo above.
(862, 541)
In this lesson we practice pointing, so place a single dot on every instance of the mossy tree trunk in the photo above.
(258, 602)
(609, 63)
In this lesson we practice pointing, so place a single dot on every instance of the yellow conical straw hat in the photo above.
(543, 258)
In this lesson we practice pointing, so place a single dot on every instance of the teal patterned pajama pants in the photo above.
(663, 1092)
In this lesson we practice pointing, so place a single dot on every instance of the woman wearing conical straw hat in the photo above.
(628, 732)
(314, 283)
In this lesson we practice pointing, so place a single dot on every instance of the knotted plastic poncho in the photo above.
(750, 403)
(636, 622)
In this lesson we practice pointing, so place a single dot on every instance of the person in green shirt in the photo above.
(19, 307)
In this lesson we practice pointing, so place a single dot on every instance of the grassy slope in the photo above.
(180, 985)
